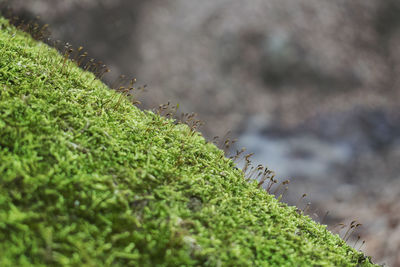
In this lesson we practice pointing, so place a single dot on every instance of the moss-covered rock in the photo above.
(88, 179)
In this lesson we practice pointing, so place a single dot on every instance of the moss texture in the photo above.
(88, 179)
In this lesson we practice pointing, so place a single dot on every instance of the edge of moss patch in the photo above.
(86, 178)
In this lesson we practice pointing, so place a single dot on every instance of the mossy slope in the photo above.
(85, 181)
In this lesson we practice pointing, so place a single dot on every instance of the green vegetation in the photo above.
(88, 179)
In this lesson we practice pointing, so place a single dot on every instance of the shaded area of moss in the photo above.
(85, 180)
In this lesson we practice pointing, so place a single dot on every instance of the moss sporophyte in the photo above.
(88, 179)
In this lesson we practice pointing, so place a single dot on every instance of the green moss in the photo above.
(85, 181)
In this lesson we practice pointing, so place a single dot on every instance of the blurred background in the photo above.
(310, 86)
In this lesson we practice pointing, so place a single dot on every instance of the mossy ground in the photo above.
(86, 180)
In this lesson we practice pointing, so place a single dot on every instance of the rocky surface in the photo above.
(346, 164)
(311, 86)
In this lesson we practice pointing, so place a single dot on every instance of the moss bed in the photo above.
(88, 179)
